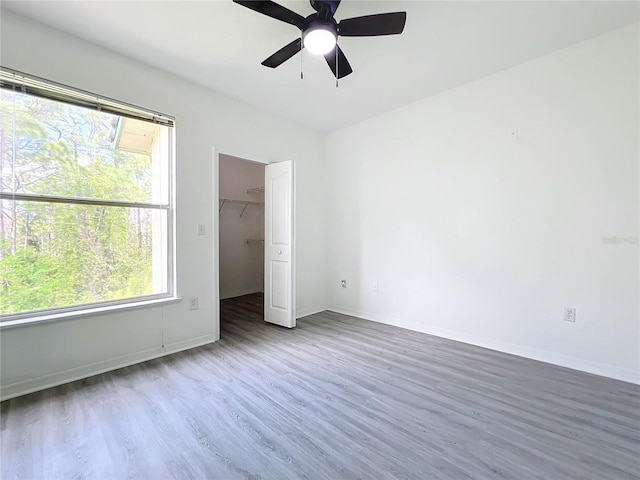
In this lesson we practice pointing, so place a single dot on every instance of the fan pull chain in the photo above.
(301, 54)
(337, 63)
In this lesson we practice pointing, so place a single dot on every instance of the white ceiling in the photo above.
(220, 45)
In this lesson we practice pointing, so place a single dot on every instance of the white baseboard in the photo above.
(309, 311)
(175, 347)
(71, 375)
(239, 293)
(597, 368)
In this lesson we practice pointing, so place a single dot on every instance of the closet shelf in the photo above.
(246, 203)
(255, 190)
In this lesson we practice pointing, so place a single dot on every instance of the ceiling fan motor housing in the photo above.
(332, 6)
(316, 23)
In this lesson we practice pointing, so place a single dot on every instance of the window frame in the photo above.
(36, 86)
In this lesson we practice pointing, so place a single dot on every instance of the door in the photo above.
(279, 294)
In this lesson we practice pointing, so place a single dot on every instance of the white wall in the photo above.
(241, 263)
(482, 237)
(44, 354)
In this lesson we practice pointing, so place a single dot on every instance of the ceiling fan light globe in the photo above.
(319, 41)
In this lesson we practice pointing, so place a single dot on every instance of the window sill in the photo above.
(88, 312)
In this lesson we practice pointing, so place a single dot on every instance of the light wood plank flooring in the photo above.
(335, 398)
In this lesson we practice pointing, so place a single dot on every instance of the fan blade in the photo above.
(284, 54)
(273, 10)
(344, 68)
(373, 25)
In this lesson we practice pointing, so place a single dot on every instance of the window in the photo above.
(86, 213)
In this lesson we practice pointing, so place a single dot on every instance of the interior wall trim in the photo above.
(305, 312)
(71, 375)
(588, 366)
(240, 292)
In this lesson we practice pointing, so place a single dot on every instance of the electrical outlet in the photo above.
(343, 283)
(375, 286)
(200, 229)
(569, 314)
(193, 303)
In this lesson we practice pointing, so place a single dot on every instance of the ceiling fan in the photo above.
(320, 31)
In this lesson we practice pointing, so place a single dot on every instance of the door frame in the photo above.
(216, 152)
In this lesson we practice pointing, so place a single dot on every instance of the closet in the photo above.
(241, 227)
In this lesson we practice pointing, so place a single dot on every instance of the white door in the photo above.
(279, 293)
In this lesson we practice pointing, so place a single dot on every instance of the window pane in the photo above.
(55, 148)
(58, 255)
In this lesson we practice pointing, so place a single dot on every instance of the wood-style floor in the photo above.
(335, 398)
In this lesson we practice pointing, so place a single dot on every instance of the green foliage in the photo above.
(34, 280)
(57, 255)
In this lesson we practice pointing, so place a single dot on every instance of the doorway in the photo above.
(254, 229)
(241, 227)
